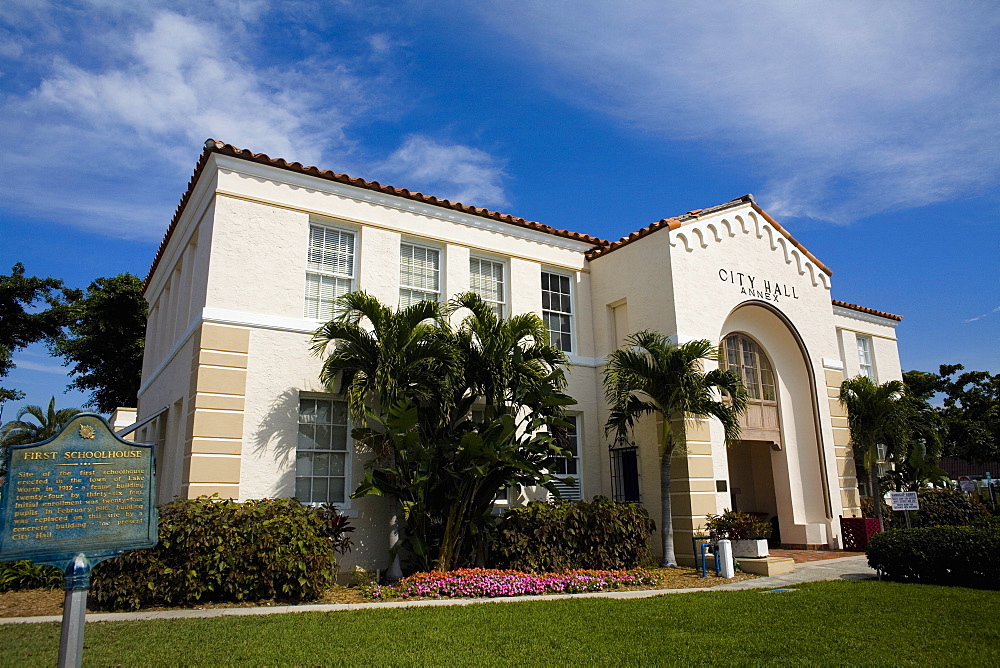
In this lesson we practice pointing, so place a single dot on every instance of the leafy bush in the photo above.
(214, 550)
(964, 556)
(20, 575)
(557, 536)
(945, 507)
(482, 582)
(734, 525)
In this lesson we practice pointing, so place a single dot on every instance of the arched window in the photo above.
(745, 357)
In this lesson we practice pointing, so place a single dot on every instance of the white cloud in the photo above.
(107, 141)
(984, 315)
(451, 171)
(845, 109)
(43, 368)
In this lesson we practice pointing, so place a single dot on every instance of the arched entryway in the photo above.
(777, 469)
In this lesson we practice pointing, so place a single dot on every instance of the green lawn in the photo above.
(825, 623)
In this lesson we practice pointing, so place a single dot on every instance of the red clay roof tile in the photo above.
(212, 146)
(865, 309)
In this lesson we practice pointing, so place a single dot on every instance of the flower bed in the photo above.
(487, 583)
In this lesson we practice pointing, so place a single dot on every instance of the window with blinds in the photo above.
(419, 274)
(557, 310)
(329, 270)
(486, 279)
(569, 467)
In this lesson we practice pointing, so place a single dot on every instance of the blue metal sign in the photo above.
(84, 491)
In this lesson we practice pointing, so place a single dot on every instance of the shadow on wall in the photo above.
(277, 435)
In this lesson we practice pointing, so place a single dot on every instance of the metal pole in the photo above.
(71, 640)
(77, 584)
(907, 513)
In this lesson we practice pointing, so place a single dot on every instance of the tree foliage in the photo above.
(104, 343)
(30, 310)
(453, 414)
(20, 431)
(970, 412)
(882, 416)
(652, 376)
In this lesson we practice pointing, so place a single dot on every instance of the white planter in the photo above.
(750, 548)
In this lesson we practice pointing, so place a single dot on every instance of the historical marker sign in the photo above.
(84, 491)
(72, 501)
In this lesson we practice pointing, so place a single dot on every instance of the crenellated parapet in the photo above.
(700, 231)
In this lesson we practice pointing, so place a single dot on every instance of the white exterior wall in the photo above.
(881, 331)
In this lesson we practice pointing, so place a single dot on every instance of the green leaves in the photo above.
(453, 414)
(213, 550)
(551, 537)
(104, 343)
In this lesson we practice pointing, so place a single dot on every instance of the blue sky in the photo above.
(869, 130)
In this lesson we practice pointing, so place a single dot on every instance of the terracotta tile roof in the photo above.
(213, 146)
(674, 223)
(865, 309)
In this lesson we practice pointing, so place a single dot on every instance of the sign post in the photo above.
(905, 501)
(83, 496)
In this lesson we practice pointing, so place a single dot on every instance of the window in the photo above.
(760, 421)
(570, 466)
(486, 280)
(557, 310)
(625, 474)
(744, 357)
(321, 457)
(865, 356)
(419, 274)
(329, 270)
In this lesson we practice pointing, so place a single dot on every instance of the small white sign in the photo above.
(904, 501)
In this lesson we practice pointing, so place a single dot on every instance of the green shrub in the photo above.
(213, 550)
(734, 525)
(20, 575)
(556, 536)
(944, 507)
(951, 555)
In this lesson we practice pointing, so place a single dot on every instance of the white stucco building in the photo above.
(259, 248)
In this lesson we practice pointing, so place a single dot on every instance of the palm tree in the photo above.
(877, 416)
(381, 356)
(507, 361)
(377, 358)
(651, 375)
(412, 382)
(19, 432)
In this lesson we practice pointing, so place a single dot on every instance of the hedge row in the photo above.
(214, 550)
(938, 507)
(964, 556)
(556, 536)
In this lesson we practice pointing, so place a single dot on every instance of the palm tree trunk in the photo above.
(394, 572)
(666, 515)
(876, 493)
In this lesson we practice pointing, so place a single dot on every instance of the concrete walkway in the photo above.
(855, 568)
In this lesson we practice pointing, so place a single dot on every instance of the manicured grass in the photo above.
(824, 623)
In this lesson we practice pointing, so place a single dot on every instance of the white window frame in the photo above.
(866, 357)
(348, 452)
(571, 313)
(321, 273)
(440, 271)
(499, 307)
(573, 492)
